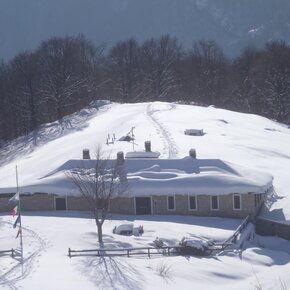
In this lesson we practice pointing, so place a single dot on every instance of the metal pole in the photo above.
(133, 139)
(20, 222)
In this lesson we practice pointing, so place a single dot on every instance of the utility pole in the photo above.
(20, 222)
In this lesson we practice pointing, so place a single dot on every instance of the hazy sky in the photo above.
(25, 23)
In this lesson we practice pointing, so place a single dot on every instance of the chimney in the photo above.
(192, 153)
(120, 158)
(86, 154)
(148, 146)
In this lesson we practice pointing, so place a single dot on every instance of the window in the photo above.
(237, 201)
(214, 202)
(192, 203)
(171, 203)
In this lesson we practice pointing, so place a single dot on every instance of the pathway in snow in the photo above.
(36, 245)
(169, 146)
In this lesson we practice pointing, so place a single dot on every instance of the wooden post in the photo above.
(149, 252)
(128, 253)
(168, 251)
(98, 253)
(12, 253)
(69, 252)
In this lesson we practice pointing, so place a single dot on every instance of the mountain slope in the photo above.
(244, 139)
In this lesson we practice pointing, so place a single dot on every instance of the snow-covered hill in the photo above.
(244, 139)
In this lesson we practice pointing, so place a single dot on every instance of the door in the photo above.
(143, 205)
(60, 203)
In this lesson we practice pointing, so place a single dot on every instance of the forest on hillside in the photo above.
(64, 74)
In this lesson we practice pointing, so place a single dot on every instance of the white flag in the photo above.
(15, 197)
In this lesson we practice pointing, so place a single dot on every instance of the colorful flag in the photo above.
(17, 221)
(15, 211)
(18, 233)
(14, 198)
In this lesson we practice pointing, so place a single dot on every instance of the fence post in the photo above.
(12, 253)
(128, 253)
(168, 251)
(69, 252)
(149, 252)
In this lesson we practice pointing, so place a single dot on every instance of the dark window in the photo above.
(237, 202)
(192, 202)
(171, 202)
(60, 203)
(214, 202)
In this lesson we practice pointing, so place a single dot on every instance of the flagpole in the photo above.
(20, 225)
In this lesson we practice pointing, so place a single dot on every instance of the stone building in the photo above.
(186, 186)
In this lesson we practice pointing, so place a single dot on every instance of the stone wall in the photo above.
(38, 202)
(266, 227)
(203, 206)
(122, 205)
(35, 202)
(76, 203)
(4, 205)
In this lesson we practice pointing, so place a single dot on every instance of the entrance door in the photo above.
(60, 203)
(143, 205)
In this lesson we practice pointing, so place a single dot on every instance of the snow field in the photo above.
(47, 238)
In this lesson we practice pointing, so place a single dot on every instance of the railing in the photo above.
(148, 251)
(233, 238)
(8, 252)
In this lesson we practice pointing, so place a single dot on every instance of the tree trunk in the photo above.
(100, 232)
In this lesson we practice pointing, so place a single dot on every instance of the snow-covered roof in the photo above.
(163, 177)
(142, 154)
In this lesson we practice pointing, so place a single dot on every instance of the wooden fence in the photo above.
(167, 250)
(148, 251)
(8, 252)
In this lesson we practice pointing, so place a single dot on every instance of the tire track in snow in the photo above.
(14, 274)
(170, 146)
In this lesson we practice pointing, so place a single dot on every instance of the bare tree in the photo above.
(124, 70)
(98, 186)
(159, 58)
(241, 83)
(209, 70)
(68, 66)
(271, 81)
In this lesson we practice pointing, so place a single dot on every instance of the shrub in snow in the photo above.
(164, 270)
(194, 246)
(158, 243)
(141, 230)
